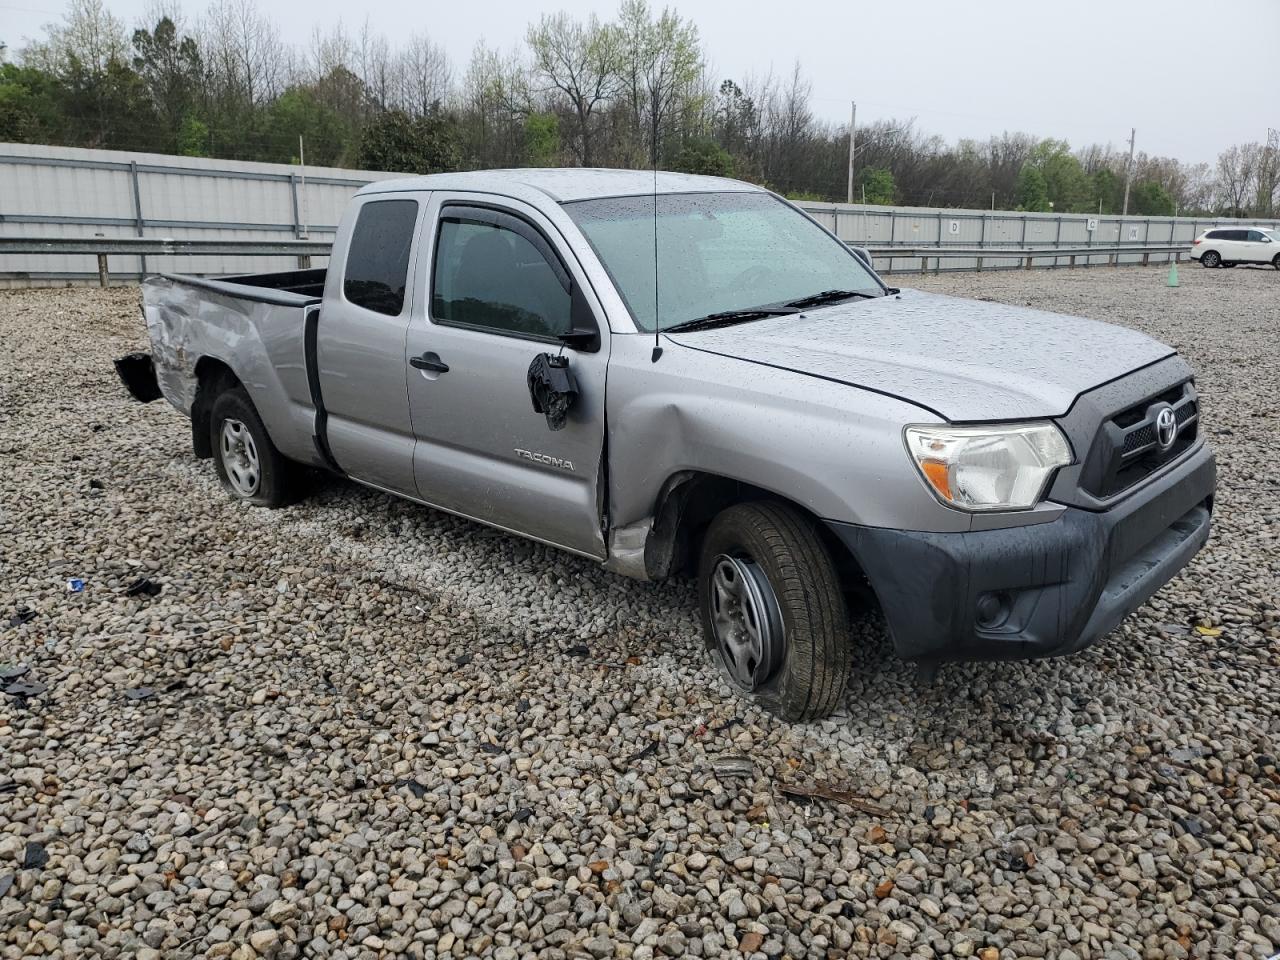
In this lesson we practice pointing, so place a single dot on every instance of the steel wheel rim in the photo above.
(746, 621)
(240, 458)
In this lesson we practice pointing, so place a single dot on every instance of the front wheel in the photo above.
(773, 615)
(248, 463)
(1276, 261)
(1211, 258)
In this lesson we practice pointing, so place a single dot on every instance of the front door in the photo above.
(497, 284)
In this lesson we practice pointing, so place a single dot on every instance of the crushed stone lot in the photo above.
(357, 728)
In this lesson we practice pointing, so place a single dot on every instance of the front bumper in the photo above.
(1041, 590)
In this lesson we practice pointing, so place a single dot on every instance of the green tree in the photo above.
(172, 71)
(329, 137)
(1033, 193)
(1151, 199)
(395, 141)
(29, 106)
(542, 139)
(704, 155)
(1065, 181)
(877, 184)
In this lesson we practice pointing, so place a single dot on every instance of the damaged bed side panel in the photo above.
(261, 341)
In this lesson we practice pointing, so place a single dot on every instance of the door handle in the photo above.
(429, 361)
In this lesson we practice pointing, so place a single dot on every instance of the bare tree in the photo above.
(1235, 175)
(426, 74)
(582, 62)
(662, 61)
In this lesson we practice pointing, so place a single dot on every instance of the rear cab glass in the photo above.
(377, 267)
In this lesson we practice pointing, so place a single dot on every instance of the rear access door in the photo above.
(495, 280)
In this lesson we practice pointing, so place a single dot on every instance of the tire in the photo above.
(1210, 258)
(249, 466)
(1276, 262)
(800, 674)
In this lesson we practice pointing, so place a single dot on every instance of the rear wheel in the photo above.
(1276, 261)
(1211, 258)
(773, 616)
(248, 463)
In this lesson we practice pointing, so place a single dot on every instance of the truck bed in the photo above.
(290, 287)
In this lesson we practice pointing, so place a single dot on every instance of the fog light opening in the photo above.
(993, 610)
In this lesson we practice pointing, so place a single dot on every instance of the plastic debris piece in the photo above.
(143, 587)
(140, 693)
(9, 787)
(6, 884)
(96, 484)
(1209, 631)
(35, 856)
(522, 814)
(463, 660)
(819, 792)
(75, 585)
(578, 651)
(644, 752)
(22, 615)
(733, 767)
(414, 787)
(13, 672)
(492, 748)
(28, 688)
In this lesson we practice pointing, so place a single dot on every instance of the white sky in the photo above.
(1193, 76)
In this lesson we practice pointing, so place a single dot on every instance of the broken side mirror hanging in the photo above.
(552, 388)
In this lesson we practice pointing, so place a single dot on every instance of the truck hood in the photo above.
(966, 360)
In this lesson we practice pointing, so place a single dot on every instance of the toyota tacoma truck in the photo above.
(683, 375)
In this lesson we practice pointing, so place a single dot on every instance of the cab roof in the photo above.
(563, 184)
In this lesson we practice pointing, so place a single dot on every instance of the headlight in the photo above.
(988, 467)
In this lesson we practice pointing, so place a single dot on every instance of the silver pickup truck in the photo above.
(676, 375)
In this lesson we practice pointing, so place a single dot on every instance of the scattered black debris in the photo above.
(329, 685)
(9, 787)
(6, 884)
(929, 813)
(13, 672)
(522, 814)
(75, 458)
(655, 863)
(95, 484)
(175, 685)
(35, 856)
(1191, 825)
(463, 660)
(1014, 862)
(143, 587)
(22, 615)
(29, 688)
(491, 748)
(140, 693)
(578, 650)
(414, 787)
(522, 705)
(642, 754)
(99, 427)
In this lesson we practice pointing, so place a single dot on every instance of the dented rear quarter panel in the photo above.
(261, 342)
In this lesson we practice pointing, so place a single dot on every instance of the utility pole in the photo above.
(1128, 171)
(853, 123)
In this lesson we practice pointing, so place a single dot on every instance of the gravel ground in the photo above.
(359, 728)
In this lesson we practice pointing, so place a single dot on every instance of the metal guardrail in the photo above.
(102, 247)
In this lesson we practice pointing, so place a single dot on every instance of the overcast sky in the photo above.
(1193, 76)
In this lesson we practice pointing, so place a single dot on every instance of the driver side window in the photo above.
(492, 278)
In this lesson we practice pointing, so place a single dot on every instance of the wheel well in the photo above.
(689, 501)
(212, 378)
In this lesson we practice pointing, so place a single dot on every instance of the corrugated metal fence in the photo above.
(69, 192)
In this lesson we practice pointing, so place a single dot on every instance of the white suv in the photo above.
(1227, 246)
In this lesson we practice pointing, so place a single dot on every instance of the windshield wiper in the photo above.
(830, 296)
(726, 317)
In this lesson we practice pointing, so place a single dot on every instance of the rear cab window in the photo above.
(377, 267)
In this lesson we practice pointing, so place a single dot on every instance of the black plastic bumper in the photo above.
(1041, 590)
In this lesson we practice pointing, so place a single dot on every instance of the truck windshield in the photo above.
(717, 253)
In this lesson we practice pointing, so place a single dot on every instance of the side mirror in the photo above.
(552, 388)
(863, 254)
(583, 333)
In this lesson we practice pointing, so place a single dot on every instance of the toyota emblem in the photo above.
(1166, 428)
